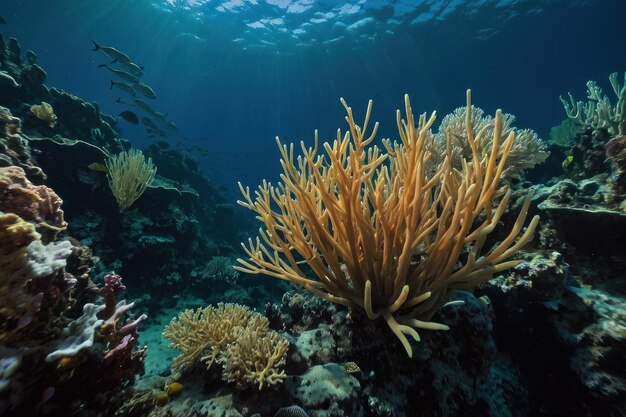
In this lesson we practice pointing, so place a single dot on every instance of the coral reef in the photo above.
(182, 218)
(542, 335)
(14, 148)
(55, 361)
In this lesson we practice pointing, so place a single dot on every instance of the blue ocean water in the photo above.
(234, 74)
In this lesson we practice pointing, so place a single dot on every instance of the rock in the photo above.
(326, 391)
(14, 51)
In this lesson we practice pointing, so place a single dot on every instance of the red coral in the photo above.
(34, 203)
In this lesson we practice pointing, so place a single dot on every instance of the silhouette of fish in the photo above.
(163, 145)
(144, 106)
(112, 52)
(2, 21)
(130, 117)
(123, 86)
(121, 74)
(145, 90)
(132, 68)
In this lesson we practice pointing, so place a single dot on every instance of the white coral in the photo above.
(599, 112)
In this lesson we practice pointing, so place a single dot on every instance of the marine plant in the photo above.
(129, 174)
(385, 231)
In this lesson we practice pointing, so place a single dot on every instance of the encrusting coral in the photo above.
(44, 112)
(381, 231)
(15, 236)
(35, 203)
(236, 337)
(14, 146)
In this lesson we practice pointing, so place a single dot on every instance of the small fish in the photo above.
(112, 52)
(130, 117)
(152, 127)
(163, 145)
(351, 367)
(121, 74)
(5, 76)
(144, 106)
(162, 117)
(123, 86)
(485, 299)
(98, 167)
(145, 90)
(567, 161)
(171, 126)
(2, 21)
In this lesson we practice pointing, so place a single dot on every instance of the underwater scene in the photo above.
(322, 208)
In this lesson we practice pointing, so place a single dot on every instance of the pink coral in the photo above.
(112, 286)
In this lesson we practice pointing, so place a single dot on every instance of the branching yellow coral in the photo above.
(129, 173)
(234, 335)
(202, 334)
(384, 232)
(256, 358)
(44, 112)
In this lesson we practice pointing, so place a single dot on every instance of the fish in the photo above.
(151, 127)
(112, 52)
(144, 106)
(132, 68)
(120, 101)
(163, 145)
(568, 160)
(162, 117)
(171, 126)
(130, 117)
(121, 74)
(2, 21)
(5, 76)
(145, 90)
(123, 86)
(98, 167)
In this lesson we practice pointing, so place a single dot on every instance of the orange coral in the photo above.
(34, 203)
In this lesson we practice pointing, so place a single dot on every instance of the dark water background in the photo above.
(238, 95)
